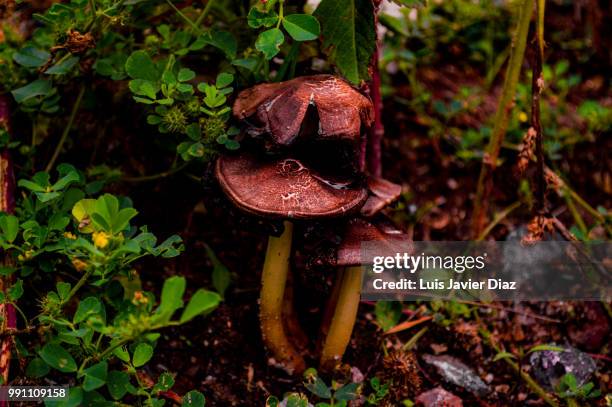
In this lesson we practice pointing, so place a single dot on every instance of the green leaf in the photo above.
(347, 392)
(122, 220)
(142, 354)
(410, 3)
(31, 57)
(185, 75)
(16, 290)
(88, 307)
(164, 382)
(95, 376)
(302, 27)
(318, 387)
(10, 227)
(122, 353)
(224, 79)
(349, 35)
(202, 301)
(220, 275)
(193, 131)
(37, 368)
(269, 42)
(75, 399)
(171, 297)
(40, 87)
(62, 67)
(258, 18)
(193, 399)
(58, 358)
(63, 289)
(118, 384)
(503, 355)
(552, 348)
(388, 314)
(81, 211)
(222, 40)
(139, 65)
(65, 181)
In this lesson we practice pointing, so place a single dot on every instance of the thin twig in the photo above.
(58, 148)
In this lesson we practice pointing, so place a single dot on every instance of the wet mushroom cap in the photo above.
(382, 194)
(358, 231)
(280, 109)
(284, 188)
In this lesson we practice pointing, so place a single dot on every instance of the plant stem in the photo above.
(183, 16)
(343, 320)
(164, 174)
(536, 122)
(498, 218)
(501, 118)
(204, 13)
(73, 113)
(532, 384)
(273, 281)
(377, 131)
(78, 285)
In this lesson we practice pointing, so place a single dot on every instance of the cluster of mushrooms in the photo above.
(307, 166)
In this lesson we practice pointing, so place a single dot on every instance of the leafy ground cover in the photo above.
(118, 109)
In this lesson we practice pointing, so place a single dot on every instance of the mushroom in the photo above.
(282, 189)
(338, 324)
(280, 110)
(382, 194)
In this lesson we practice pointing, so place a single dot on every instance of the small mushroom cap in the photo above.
(284, 188)
(382, 193)
(349, 252)
(279, 109)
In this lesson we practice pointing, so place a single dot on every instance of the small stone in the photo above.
(550, 366)
(438, 397)
(458, 373)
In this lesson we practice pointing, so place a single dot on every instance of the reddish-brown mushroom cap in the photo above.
(284, 188)
(358, 231)
(382, 193)
(279, 109)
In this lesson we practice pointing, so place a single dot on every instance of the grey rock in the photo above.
(455, 372)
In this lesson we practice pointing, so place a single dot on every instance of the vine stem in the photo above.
(501, 118)
(58, 148)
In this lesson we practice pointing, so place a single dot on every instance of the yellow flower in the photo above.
(79, 264)
(139, 298)
(100, 239)
(70, 235)
(522, 117)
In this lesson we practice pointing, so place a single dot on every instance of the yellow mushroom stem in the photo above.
(330, 309)
(343, 321)
(273, 281)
